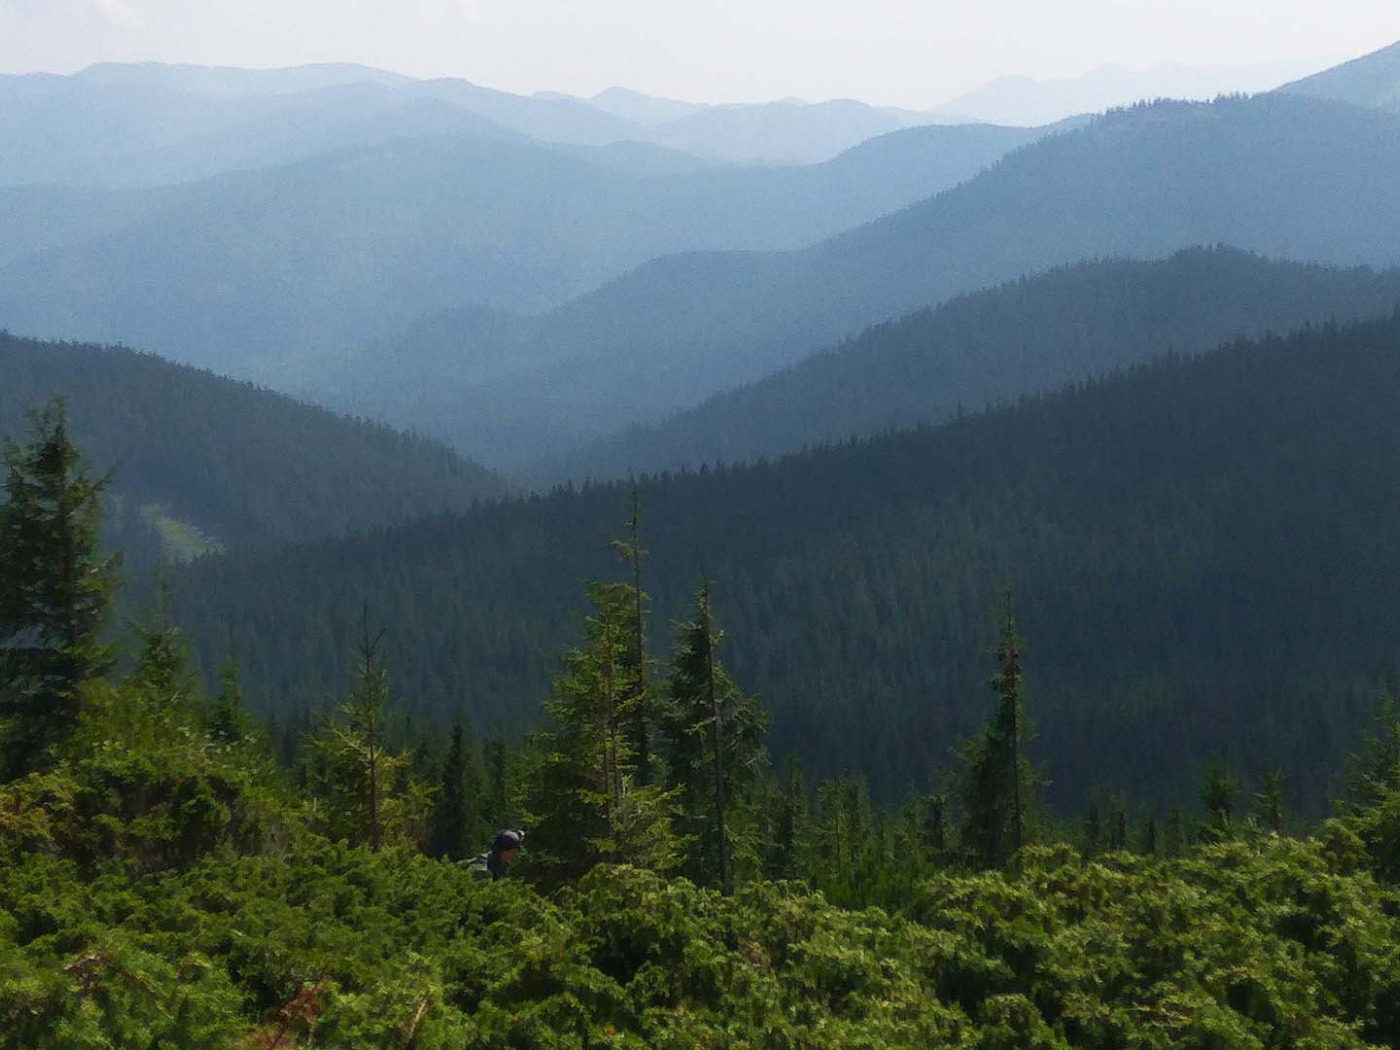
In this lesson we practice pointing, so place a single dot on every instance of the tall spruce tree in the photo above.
(583, 801)
(785, 813)
(358, 770)
(456, 819)
(1269, 801)
(55, 590)
(497, 792)
(164, 670)
(228, 721)
(636, 704)
(1219, 794)
(714, 749)
(1373, 772)
(999, 785)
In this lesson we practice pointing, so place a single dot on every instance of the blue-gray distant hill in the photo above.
(1289, 177)
(149, 125)
(798, 132)
(242, 272)
(1201, 555)
(117, 125)
(235, 82)
(1371, 80)
(200, 461)
(1021, 338)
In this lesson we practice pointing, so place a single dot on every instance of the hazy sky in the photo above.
(908, 52)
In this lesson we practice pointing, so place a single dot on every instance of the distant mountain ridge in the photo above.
(148, 124)
(1371, 80)
(1284, 176)
(233, 82)
(249, 272)
(640, 108)
(1012, 341)
(1020, 99)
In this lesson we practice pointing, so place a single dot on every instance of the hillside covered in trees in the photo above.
(1026, 337)
(1197, 549)
(200, 460)
(166, 880)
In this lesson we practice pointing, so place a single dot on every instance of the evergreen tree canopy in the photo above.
(55, 590)
(585, 803)
(714, 752)
(999, 786)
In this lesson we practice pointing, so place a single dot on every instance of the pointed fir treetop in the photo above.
(55, 590)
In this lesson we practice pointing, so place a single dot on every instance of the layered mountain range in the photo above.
(515, 276)
(1281, 175)
(798, 359)
(249, 271)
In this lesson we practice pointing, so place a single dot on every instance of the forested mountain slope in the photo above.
(1285, 176)
(242, 271)
(1199, 553)
(1021, 338)
(1371, 80)
(204, 460)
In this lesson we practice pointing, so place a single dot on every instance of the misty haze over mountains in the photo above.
(1137, 184)
(359, 242)
(1023, 100)
(520, 276)
(530, 277)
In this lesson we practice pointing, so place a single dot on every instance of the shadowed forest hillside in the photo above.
(1198, 550)
(1026, 337)
(200, 461)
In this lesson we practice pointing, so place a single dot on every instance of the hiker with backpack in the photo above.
(505, 847)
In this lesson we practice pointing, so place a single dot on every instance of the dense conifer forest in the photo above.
(173, 873)
(1026, 337)
(242, 466)
(1196, 547)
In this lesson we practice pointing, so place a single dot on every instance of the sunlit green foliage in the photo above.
(584, 799)
(1276, 942)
